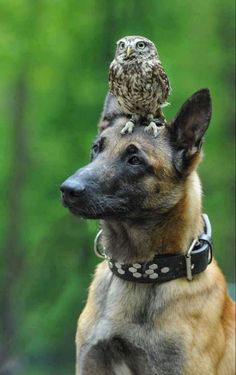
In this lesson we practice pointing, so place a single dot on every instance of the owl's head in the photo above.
(135, 47)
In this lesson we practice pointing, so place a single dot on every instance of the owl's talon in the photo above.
(160, 121)
(128, 128)
(152, 127)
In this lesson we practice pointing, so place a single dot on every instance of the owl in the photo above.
(139, 82)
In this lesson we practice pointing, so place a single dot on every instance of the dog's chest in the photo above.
(126, 334)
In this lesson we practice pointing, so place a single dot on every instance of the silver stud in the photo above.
(192, 266)
(165, 269)
(149, 272)
(137, 274)
(121, 271)
(132, 269)
(153, 266)
(153, 276)
(118, 265)
(137, 265)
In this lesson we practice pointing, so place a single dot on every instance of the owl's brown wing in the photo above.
(163, 82)
(112, 76)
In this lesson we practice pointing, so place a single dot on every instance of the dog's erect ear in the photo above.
(111, 110)
(192, 121)
(190, 124)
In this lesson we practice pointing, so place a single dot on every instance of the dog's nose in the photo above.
(71, 191)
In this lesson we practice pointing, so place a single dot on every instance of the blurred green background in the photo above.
(54, 58)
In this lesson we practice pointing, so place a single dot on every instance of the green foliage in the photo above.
(57, 53)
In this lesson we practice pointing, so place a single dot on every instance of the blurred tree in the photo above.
(13, 249)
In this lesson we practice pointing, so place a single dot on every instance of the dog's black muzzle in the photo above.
(72, 191)
(76, 190)
(89, 194)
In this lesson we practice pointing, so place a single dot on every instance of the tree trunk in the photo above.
(13, 254)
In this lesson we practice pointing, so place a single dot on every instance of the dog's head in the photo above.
(135, 177)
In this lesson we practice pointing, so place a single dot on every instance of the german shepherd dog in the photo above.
(147, 194)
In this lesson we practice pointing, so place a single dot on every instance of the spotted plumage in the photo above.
(139, 82)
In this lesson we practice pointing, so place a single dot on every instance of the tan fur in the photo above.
(199, 312)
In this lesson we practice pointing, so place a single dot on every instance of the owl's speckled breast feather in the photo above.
(138, 86)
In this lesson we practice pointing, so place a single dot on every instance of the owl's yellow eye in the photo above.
(141, 45)
(122, 45)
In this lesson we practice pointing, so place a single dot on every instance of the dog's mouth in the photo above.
(87, 214)
(103, 209)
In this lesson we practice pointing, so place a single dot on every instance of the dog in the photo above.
(149, 311)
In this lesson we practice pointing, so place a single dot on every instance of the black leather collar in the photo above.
(165, 267)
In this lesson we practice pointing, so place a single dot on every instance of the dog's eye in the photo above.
(94, 152)
(98, 147)
(135, 160)
(95, 148)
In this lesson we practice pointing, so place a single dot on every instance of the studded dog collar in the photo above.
(164, 267)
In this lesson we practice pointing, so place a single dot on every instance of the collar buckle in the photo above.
(188, 260)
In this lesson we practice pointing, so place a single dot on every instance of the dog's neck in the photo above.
(171, 233)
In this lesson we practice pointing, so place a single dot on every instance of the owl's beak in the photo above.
(129, 51)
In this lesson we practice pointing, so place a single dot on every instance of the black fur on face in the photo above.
(112, 181)
(138, 177)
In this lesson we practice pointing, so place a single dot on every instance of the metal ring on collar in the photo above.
(97, 248)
